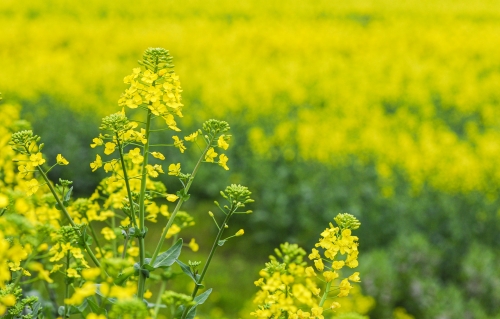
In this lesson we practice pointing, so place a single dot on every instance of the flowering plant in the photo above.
(93, 250)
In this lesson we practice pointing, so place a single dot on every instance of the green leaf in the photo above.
(198, 300)
(221, 242)
(187, 270)
(68, 195)
(167, 258)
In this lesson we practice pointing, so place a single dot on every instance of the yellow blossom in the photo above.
(96, 164)
(239, 233)
(72, 273)
(91, 273)
(330, 275)
(135, 156)
(209, 157)
(109, 148)
(37, 159)
(344, 287)
(95, 316)
(148, 294)
(32, 187)
(97, 142)
(108, 233)
(172, 197)
(174, 169)
(310, 272)
(8, 300)
(319, 264)
(193, 245)
(174, 229)
(338, 264)
(87, 290)
(179, 144)
(222, 161)
(355, 277)
(192, 137)
(158, 155)
(221, 142)
(314, 254)
(61, 160)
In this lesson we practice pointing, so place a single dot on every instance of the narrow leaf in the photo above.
(167, 258)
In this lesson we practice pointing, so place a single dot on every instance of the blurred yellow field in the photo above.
(412, 85)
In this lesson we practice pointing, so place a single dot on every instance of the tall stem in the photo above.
(66, 291)
(59, 202)
(127, 185)
(142, 248)
(325, 294)
(178, 206)
(209, 259)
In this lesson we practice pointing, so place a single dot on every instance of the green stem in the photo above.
(178, 206)
(59, 202)
(158, 299)
(127, 185)
(142, 248)
(66, 292)
(325, 294)
(95, 239)
(209, 259)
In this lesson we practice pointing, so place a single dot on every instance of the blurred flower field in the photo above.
(389, 110)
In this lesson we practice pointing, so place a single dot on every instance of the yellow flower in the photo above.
(95, 316)
(97, 142)
(355, 277)
(148, 294)
(4, 201)
(344, 287)
(110, 148)
(319, 264)
(179, 144)
(314, 254)
(316, 312)
(221, 142)
(91, 273)
(239, 233)
(135, 156)
(330, 275)
(154, 170)
(87, 290)
(174, 229)
(32, 187)
(158, 155)
(174, 169)
(72, 273)
(108, 233)
(96, 164)
(24, 170)
(222, 161)
(193, 245)
(172, 197)
(149, 77)
(310, 272)
(192, 137)
(8, 300)
(334, 305)
(61, 160)
(338, 264)
(209, 157)
(37, 159)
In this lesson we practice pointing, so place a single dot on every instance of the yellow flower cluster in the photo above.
(291, 288)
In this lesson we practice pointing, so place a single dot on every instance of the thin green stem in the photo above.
(125, 178)
(158, 299)
(142, 248)
(65, 211)
(95, 239)
(209, 259)
(178, 206)
(325, 294)
(66, 291)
